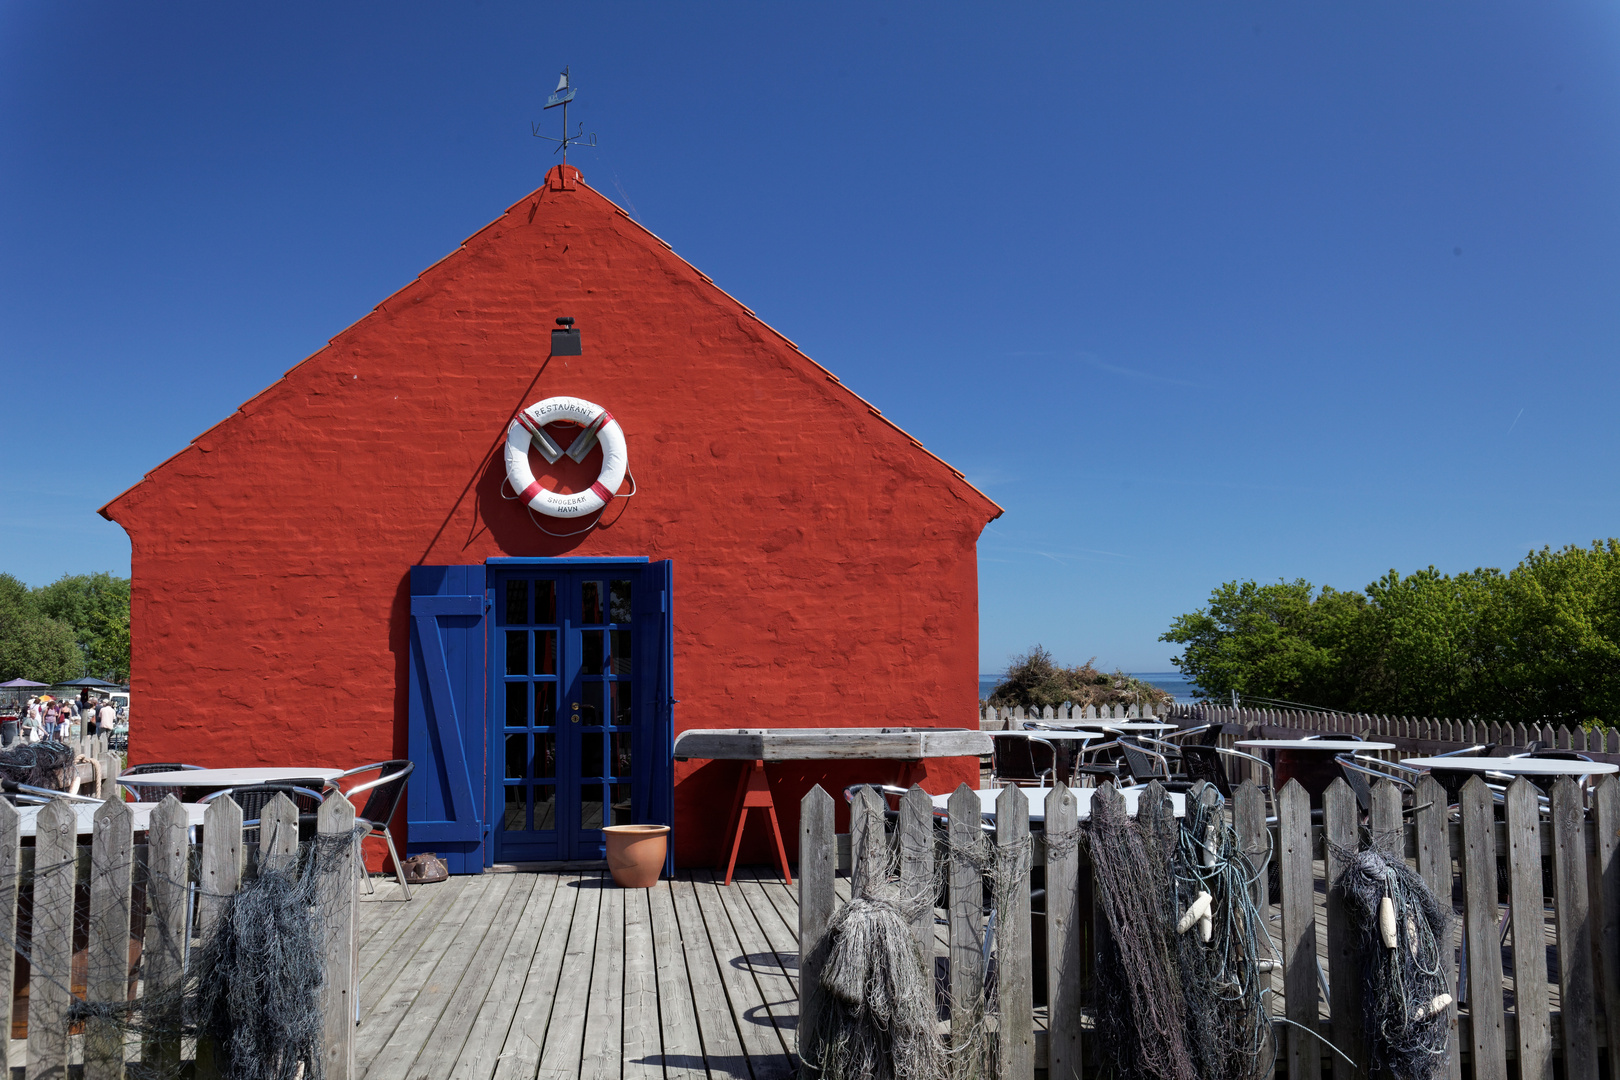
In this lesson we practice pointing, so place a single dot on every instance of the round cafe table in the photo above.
(206, 780)
(1452, 772)
(85, 813)
(1310, 761)
(1128, 727)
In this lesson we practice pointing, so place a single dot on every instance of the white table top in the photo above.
(228, 777)
(1110, 725)
(1335, 746)
(86, 813)
(1513, 766)
(1046, 733)
(1082, 799)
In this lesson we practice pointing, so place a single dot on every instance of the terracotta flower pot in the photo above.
(635, 854)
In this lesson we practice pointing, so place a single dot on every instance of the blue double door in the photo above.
(576, 715)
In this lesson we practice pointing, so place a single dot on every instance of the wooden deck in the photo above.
(561, 975)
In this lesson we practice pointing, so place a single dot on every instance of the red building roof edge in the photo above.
(245, 408)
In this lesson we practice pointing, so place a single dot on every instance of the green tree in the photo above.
(96, 608)
(33, 645)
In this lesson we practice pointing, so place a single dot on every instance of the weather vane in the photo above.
(562, 96)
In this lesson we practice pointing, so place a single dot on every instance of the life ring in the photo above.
(529, 429)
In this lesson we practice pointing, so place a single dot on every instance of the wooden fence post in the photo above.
(1298, 929)
(218, 876)
(1606, 906)
(112, 864)
(1479, 931)
(1573, 902)
(1015, 1037)
(339, 892)
(818, 869)
(1434, 863)
(915, 832)
(1063, 935)
(49, 982)
(1523, 822)
(867, 841)
(967, 902)
(163, 954)
(1341, 824)
(10, 879)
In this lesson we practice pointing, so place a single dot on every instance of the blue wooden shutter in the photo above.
(445, 804)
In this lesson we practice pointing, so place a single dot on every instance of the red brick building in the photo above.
(788, 558)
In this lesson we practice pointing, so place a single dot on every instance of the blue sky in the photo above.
(1197, 292)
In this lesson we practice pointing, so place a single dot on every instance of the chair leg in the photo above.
(399, 867)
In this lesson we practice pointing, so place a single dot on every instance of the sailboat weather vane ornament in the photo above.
(562, 96)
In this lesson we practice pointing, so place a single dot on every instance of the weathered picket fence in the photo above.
(1409, 728)
(93, 889)
(1489, 853)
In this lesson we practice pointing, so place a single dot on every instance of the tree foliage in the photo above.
(1541, 641)
(69, 628)
(1035, 679)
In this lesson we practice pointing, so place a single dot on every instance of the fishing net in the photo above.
(43, 764)
(1179, 982)
(1399, 926)
(235, 980)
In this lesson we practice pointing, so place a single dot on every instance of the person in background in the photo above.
(106, 716)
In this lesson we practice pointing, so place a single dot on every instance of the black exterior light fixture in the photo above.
(565, 339)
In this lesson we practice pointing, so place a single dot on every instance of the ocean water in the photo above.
(1172, 682)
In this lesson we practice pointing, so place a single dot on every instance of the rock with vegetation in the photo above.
(1036, 680)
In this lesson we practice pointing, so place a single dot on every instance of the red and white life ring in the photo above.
(529, 429)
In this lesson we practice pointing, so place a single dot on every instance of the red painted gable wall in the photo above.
(825, 568)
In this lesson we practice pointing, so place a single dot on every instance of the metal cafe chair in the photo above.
(148, 793)
(381, 802)
(1013, 757)
(253, 798)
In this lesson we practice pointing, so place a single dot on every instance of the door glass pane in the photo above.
(545, 807)
(517, 704)
(517, 757)
(517, 652)
(590, 602)
(545, 703)
(619, 703)
(545, 754)
(621, 805)
(517, 602)
(590, 807)
(591, 651)
(619, 651)
(545, 652)
(512, 818)
(545, 601)
(619, 602)
(620, 742)
(590, 710)
(590, 753)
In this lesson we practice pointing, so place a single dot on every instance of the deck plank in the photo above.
(524, 1037)
(780, 937)
(564, 1046)
(407, 1040)
(643, 1045)
(760, 957)
(395, 943)
(677, 1015)
(388, 988)
(722, 1043)
(604, 1012)
(769, 1057)
(442, 1048)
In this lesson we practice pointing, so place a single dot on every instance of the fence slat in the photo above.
(10, 878)
(867, 841)
(915, 832)
(818, 867)
(339, 890)
(1606, 910)
(1249, 821)
(1479, 931)
(1429, 816)
(112, 864)
(1573, 903)
(219, 876)
(278, 829)
(1341, 824)
(967, 901)
(1063, 934)
(163, 953)
(1298, 928)
(1523, 817)
(51, 956)
(1015, 1036)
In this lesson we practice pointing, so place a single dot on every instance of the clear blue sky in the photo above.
(1197, 292)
